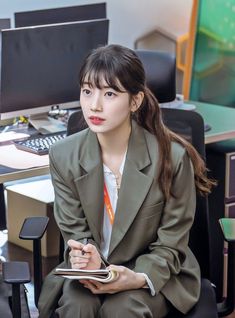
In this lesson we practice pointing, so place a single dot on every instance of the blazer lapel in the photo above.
(90, 185)
(134, 188)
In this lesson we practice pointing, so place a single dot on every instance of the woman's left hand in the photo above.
(127, 279)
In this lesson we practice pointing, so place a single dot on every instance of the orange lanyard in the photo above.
(108, 205)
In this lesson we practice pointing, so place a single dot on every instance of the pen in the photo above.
(85, 241)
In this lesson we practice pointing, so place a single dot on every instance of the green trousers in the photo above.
(78, 302)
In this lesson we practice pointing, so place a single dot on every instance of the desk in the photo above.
(17, 164)
(220, 118)
(40, 167)
(15, 171)
(8, 174)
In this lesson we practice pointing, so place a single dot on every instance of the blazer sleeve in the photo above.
(68, 211)
(168, 253)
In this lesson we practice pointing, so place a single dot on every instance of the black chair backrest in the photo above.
(76, 122)
(190, 125)
(160, 73)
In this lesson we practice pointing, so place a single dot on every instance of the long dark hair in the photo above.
(119, 65)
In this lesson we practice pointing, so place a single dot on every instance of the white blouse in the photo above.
(111, 185)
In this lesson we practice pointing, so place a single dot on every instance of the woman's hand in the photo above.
(84, 256)
(127, 279)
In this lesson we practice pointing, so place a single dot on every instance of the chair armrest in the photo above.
(16, 273)
(228, 229)
(34, 228)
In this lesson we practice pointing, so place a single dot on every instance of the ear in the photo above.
(137, 101)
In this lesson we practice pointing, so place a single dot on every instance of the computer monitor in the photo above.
(60, 15)
(40, 66)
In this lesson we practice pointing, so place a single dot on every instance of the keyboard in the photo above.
(39, 144)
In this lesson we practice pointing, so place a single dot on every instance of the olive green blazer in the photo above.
(149, 234)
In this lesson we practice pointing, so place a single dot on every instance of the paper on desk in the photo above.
(14, 158)
(11, 135)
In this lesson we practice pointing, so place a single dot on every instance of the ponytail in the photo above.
(149, 117)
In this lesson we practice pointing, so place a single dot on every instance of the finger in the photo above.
(78, 261)
(78, 264)
(94, 288)
(90, 248)
(74, 244)
(78, 253)
(116, 268)
(99, 289)
(85, 286)
(96, 284)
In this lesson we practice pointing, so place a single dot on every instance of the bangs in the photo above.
(99, 74)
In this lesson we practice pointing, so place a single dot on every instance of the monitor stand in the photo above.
(46, 125)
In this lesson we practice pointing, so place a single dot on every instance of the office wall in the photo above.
(130, 19)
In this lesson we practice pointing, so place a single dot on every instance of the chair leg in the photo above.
(16, 306)
(3, 225)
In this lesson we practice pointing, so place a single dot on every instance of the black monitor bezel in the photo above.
(60, 15)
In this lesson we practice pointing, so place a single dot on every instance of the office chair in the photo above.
(191, 126)
(160, 69)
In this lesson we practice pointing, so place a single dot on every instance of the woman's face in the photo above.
(105, 110)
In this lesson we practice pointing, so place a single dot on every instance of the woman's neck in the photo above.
(114, 147)
(115, 141)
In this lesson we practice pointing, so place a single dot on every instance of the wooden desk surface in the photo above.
(220, 118)
(16, 164)
(11, 174)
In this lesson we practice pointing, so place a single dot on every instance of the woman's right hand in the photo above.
(84, 256)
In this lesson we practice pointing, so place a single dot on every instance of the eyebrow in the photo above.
(86, 83)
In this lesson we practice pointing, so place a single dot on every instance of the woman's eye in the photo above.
(110, 94)
(86, 91)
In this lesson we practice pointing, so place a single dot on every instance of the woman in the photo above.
(127, 184)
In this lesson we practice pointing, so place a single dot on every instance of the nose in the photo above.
(96, 103)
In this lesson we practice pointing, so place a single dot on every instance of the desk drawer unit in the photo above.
(32, 199)
(221, 163)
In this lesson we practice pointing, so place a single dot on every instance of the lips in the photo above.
(96, 120)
